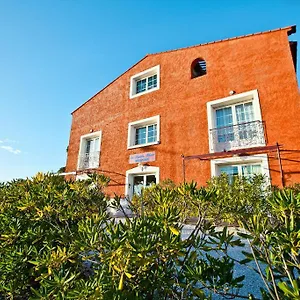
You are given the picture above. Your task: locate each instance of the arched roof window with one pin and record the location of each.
(198, 68)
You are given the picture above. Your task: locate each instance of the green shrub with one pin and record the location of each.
(274, 239)
(270, 216)
(39, 224)
(238, 197)
(233, 198)
(58, 242)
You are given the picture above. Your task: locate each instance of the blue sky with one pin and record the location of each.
(54, 55)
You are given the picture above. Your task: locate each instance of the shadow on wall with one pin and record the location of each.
(290, 163)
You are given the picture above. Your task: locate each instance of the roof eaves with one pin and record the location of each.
(290, 30)
(110, 83)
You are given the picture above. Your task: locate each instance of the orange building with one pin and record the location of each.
(228, 106)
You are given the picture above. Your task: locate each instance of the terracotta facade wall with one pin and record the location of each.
(261, 62)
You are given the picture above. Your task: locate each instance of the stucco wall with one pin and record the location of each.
(261, 62)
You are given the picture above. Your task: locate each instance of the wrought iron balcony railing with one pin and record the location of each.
(243, 135)
(89, 160)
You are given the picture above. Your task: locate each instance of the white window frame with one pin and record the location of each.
(139, 171)
(82, 144)
(132, 126)
(261, 159)
(212, 106)
(143, 75)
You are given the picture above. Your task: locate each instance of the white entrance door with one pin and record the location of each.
(142, 181)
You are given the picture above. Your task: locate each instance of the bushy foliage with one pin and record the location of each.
(274, 239)
(39, 219)
(233, 198)
(57, 242)
(238, 197)
(270, 217)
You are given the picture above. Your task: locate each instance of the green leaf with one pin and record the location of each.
(288, 291)
(245, 261)
(244, 235)
(121, 282)
(174, 230)
(128, 275)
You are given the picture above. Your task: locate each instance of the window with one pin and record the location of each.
(198, 68)
(227, 117)
(146, 134)
(246, 166)
(89, 152)
(235, 122)
(140, 177)
(247, 171)
(141, 85)
(144, 82)
(143, 132)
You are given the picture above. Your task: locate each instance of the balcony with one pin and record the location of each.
(244, 135)
(89, 160)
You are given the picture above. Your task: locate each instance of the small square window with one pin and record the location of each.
(147, 134)
(143, 133)
(144, 82)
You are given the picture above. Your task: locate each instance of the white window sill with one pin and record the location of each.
(143, 93)
(144, 145)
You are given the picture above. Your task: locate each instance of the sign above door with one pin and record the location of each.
(142, 157)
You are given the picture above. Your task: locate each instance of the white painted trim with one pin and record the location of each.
(243, 160)
(140, 170)
(238, 98)
(147, 73)
(133, 125)
(85, 137)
